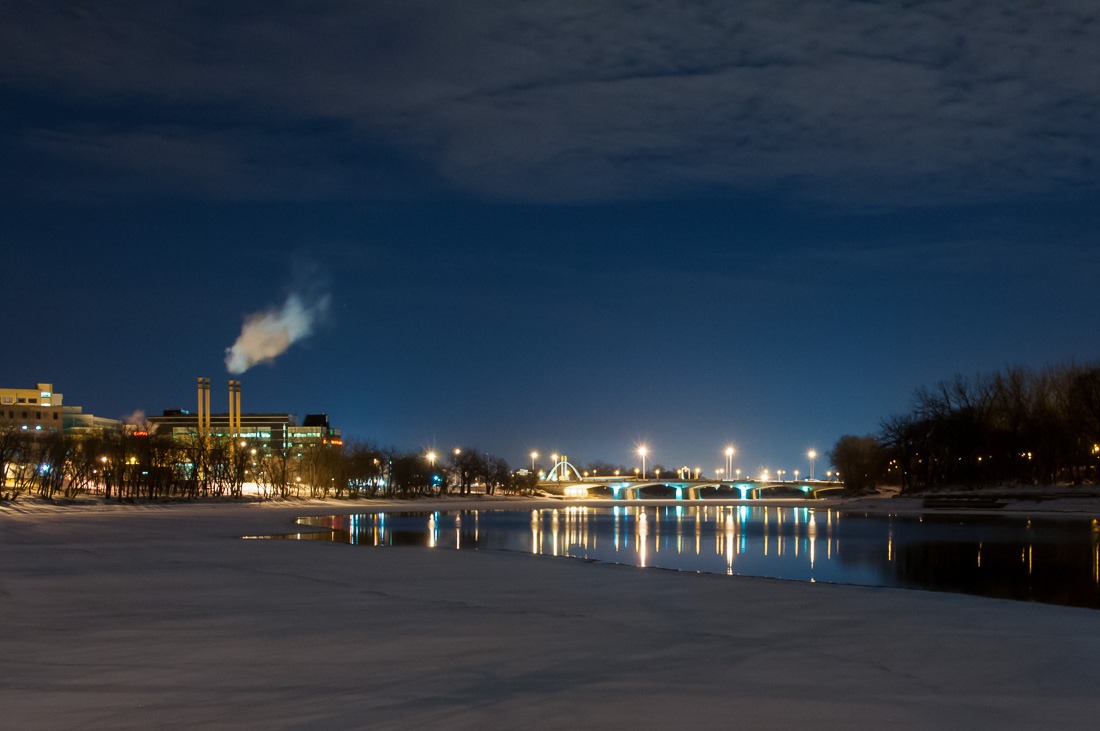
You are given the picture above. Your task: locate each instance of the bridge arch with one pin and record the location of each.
(563, 471)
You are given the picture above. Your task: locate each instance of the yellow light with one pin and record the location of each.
(729, 451)
(431, 456)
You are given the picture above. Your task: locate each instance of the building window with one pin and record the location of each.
(55, 416)
(38, 415)
(24, 415)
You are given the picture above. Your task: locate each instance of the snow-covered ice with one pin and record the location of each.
(161, 617)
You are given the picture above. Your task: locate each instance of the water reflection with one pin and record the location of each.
(1054, 561)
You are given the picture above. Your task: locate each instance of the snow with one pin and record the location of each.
(160, 616)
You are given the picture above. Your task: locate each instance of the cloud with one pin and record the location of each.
(137, 418)
(267, 334)
(575, 101)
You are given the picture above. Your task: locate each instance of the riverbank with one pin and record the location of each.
(1079, 501)
(137, 616)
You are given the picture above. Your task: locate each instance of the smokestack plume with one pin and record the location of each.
(266, 335)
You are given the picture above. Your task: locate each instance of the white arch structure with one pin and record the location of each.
(563, 471)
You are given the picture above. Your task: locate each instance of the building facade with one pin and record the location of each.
(264, 431)
(32, 409)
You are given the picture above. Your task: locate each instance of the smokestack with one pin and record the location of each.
(234, 410)
(204, 408)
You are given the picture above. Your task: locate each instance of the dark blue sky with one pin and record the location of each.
(554, 226)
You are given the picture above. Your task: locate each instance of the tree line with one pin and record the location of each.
(1017, 426)
(133, 464)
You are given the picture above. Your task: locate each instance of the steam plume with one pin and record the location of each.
(266, 335)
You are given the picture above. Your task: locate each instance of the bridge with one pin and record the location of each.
(565, 480)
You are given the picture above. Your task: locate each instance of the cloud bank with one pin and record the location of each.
(568, 101)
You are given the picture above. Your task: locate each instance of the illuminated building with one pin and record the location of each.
(266, 431)
(31, 409)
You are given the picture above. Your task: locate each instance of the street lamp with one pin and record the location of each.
(534, 456)
(812, 454)
(431, 457)
(730, 451)
(642, 452)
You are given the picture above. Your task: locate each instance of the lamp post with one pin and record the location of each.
(812, 454)
(642, 451)
(730, 451)
(534, 456)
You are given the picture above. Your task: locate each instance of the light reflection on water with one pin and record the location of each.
(1053, 561)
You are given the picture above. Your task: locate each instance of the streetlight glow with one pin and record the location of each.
(812, 454)
(642, 452)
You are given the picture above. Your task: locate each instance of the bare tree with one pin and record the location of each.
(860, 460)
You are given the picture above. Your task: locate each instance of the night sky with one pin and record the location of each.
(563, 226)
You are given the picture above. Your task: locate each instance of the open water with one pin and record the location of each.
(1055, 561)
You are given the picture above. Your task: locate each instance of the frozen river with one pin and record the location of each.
(1054, 561)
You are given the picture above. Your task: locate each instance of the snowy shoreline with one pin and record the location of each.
(145, 615)
(1083, 503)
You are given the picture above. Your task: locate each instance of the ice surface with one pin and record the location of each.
(161, 617)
